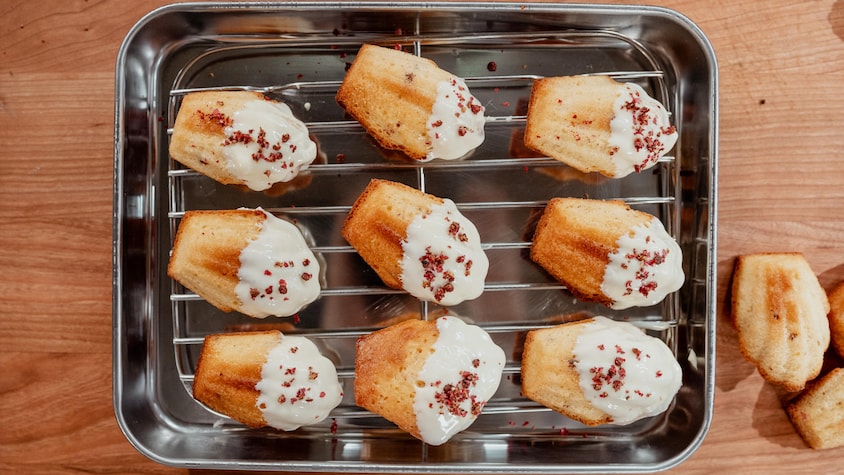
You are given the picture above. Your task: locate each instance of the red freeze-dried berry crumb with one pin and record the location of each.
(644, 139)
(452, 396)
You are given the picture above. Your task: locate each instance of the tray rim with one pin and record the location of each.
(118, 350)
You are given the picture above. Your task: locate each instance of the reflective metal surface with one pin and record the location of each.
(298, 53)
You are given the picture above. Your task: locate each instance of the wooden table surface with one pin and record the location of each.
(781, 167)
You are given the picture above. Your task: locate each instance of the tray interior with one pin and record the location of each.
(299, 54)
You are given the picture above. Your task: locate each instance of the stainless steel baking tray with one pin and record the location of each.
(298, 52)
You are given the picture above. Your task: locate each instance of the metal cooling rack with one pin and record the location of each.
(653, 80)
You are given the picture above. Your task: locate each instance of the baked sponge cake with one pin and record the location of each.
(817, 413)
(836, 318)
(431, 378)
(408, 103)
(596, 124)
(607, 252)
(780, 312)
(599, 371)
(266, 379)
(417, 242)
(240, 137)
(245, 260)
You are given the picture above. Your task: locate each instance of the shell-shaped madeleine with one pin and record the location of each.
(836, 318)
(780, 312)
(817, 413)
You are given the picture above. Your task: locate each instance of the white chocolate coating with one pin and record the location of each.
(299, 386)
(645, 268)
(640, 132)
(457, 380)
(443, 260)
(624, 372)
(278, 272)
(266, 144)
(456, 124)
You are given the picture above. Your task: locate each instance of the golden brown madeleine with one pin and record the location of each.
(548, 377)
(780, 312)
(569, 120)
(377, 225)
(596, 124)
(599, 371)
(206, 252)
(607, 252)
(199, 131)
(431, 378)
(242, 138)
(228, 369)
(836, 318)
(387, 365)
(408, 103)
(266, 379)
(818, 413)
(245, 260)
(417, 242)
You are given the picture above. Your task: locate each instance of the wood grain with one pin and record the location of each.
(780, 188)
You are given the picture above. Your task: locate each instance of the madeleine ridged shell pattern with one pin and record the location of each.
(780, 312)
